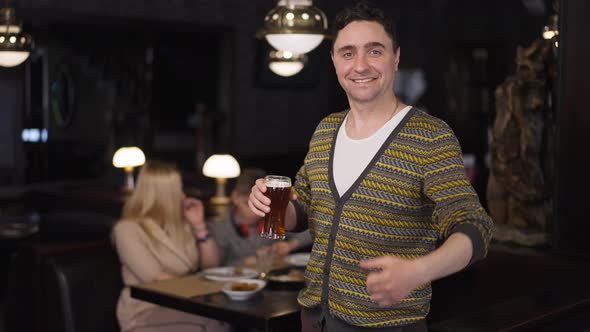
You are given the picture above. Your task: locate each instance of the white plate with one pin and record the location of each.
(243, 295)
(228, 273)
(300, 259)
(292, 275)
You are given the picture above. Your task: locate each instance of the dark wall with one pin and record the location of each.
(252, 110)
(571, 206)
(11, 99)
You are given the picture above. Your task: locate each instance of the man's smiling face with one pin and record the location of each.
(365, 61)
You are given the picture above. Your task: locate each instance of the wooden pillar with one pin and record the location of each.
(572, 193)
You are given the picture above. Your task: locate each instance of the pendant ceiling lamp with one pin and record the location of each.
(295, 26)
(286, 63)
(15, 45)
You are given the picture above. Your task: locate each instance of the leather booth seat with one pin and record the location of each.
(84, 286)
(75, 225)
(65, 287)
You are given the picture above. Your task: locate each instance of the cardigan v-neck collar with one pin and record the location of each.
(370, 165)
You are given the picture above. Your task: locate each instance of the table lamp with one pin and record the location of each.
(127, 158)
(221, 167)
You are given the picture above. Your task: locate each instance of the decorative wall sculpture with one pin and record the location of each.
(520, 184)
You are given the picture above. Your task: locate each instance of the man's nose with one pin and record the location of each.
(360, 63)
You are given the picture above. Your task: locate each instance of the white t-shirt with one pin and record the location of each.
(351, 156)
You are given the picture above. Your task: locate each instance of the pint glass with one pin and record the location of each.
(278, 189)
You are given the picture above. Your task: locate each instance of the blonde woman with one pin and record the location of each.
(162, 235)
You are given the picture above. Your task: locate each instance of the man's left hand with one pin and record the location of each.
(283, 248)
(392, 278)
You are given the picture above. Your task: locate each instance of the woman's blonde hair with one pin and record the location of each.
(158, 197)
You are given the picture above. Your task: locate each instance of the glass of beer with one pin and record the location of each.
(278, 189)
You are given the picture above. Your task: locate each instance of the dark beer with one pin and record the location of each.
(278, 189)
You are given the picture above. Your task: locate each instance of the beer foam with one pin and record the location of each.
(278, 184)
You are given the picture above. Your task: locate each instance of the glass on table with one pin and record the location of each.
(264, 260)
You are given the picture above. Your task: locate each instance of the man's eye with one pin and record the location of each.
(347, 55)
(375, 52)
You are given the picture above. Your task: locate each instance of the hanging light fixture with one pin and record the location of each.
(285, 63)
(295, 26)
(15, 45)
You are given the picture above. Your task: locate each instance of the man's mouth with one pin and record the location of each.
(364, 80)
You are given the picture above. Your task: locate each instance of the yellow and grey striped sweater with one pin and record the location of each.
(412, 195)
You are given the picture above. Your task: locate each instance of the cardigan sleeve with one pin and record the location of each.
(303, 201)
(304, 239)
(132, 248)
(457, 206)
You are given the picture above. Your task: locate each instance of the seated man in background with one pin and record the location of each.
(237, 231)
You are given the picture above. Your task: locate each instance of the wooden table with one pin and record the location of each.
(514, 292)
(505, 292)
(268, 310)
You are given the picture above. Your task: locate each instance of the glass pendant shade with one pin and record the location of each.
(12, 59)
(15, 45)
(295, 42)
(295, 26)
(286, 64)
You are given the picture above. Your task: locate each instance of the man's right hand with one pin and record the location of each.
(258, 203)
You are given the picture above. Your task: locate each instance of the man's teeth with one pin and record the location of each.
(364, 80)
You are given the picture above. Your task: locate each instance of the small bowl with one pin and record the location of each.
(243, 294)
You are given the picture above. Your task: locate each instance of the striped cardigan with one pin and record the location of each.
(413, 194)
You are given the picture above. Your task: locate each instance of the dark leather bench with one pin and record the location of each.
(83, 287)
(65, 287)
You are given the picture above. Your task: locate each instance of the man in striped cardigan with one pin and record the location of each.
(384, 193)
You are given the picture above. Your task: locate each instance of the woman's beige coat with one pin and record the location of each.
(142, 261)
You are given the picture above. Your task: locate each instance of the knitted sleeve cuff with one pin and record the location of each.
(479, 248)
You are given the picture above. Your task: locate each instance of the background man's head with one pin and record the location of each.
(246, 180)
(241, 192)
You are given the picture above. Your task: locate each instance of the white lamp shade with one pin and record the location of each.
(294, 42)
(12, 58)
(285, 68)
(221, 166)
(130, 156)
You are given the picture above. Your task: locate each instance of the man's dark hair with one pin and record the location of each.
(364, 11)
